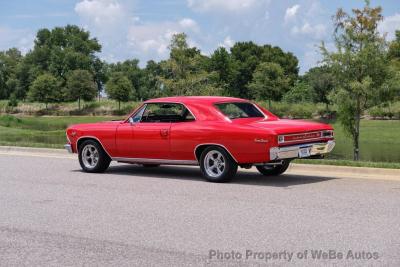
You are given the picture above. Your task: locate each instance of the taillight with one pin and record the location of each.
(327, 133)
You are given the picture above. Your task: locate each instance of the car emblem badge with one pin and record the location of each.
(260, 140)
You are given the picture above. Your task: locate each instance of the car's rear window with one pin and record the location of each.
(237, 110)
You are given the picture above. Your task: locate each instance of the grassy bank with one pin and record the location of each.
(40, 131)
(105, 107)
(379, 140)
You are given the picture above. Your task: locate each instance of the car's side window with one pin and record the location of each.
(138, 115)
(166, 112)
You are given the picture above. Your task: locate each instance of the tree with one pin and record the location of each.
(63, 49)
(184, 73)
(99, 70)
(222, 63)
(119, 87)
(394, 48)
(45, 89)
(322, 82)
(300, 92)
(268, 81)
(9, 62)
(80, 85)
(150, 85)
(248, 55)
(130, 69)
(359, 64)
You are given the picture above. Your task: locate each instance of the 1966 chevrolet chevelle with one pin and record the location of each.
(217, 133)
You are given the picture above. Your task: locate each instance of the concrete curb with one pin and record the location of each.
(33, 150)
(346, 169)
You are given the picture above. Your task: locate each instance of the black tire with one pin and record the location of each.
(151, 165)
(102, 162)
(227, 167)
(274, 170)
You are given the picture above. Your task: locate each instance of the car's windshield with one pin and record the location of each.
(236, 110)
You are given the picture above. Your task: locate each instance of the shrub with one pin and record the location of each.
(13, 101)
(376, 112)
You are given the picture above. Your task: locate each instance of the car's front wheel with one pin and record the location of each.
(217, 165)
(277, 169)
(92, 157)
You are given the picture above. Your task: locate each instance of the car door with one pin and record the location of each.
(125, 135)
(151, 135)
(184, 136)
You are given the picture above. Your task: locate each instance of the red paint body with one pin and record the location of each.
(178, 140)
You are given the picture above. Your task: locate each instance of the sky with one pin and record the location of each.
(142, 29)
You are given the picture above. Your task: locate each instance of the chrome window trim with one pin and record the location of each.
(179, 103)
(229, 102)
(265, 115)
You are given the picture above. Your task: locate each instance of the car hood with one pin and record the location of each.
(283, 126)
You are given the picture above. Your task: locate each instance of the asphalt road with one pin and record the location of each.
(52, 214)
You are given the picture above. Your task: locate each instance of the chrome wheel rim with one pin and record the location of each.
(90, 156)
(214, 163)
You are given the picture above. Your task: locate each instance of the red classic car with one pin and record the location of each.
(217, 133)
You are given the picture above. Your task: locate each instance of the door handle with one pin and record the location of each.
(164, 132)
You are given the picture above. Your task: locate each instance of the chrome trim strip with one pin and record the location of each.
(265, 115)
(213, 144)
(93, 137)
(290, 134)
(159, 161)
(301, 140)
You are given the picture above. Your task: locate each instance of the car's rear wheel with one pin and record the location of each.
(92, 157)
(270, 170)
(217, 165)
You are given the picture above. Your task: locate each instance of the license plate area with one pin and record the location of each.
(304, 152)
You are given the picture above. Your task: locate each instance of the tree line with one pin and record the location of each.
(361, 72)
(64, 66)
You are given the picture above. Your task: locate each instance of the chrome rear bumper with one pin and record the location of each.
(289, 152)
(68, 147)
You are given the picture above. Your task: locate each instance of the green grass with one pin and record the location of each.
(379, 141)
(39, 131)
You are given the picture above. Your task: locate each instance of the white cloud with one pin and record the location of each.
(227, 43)
(316, 31)
(291, 13)
(188, 23)
(223, 5)
(125, 35)
(389, 25)
(100, 12)
(154, 38)
(19, 38)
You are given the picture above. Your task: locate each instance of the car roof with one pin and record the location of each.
(196, 99)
